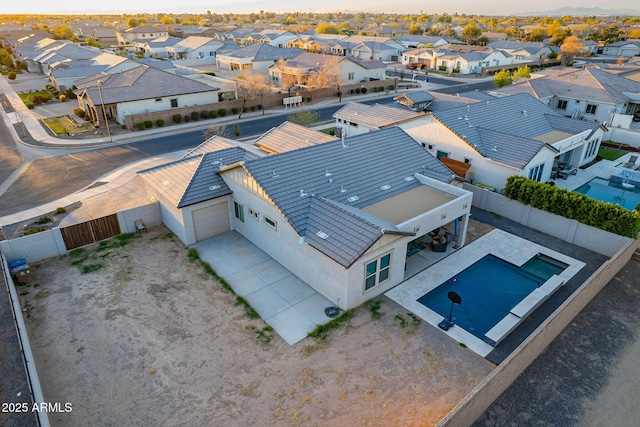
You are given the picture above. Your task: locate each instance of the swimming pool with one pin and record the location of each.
(489, 289)
(612, 192)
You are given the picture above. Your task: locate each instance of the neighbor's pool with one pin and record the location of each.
(613, 192)
(489, 289)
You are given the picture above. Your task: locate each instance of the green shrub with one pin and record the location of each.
(244, 109)
(380, 88)
(11, 75)
(70, 94)
(559, 201)
(33, 231)
(59, 210)
(253, 108)
(139, 126)
(222, 112)
(160, 123)
(259, 106)
(30, 105)
(177, 118)
(62, 98)
(204, 114)
(391, 87)
(442, 67)
(358, 90)
(234, 110)
(195, 116)
(187, 118)
(148, 123)
(213, 114)
(39, 99)
(364, 90)
(79, 112)
(43, 220)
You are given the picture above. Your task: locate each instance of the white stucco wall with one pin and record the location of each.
(187, 216)
(171, 216)
(149, 105)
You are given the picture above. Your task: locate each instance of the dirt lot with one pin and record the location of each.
(147, 337)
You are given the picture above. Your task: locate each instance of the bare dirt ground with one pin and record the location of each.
(147, 337)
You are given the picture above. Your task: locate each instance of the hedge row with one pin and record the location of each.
(569, 204)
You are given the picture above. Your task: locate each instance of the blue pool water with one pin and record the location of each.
(489, 289)
(612, 192)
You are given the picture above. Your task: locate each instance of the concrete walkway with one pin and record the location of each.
(286, 303)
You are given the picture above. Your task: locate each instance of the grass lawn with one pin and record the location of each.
(62, 125)
(611, 153)
(25, 96)
(329, 131)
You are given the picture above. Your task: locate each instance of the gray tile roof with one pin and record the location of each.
(138, 83)
(375, 116)
(195, 179)
(290, 136)
(516, 119)
(215, 143)
(264, 52)
(371, 167)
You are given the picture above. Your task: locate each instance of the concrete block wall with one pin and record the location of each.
(35, 247)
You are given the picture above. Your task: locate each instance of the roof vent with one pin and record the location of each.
(494, 148)
(275, 175)
(344, 145)
(409, 178)
(524, 113)
(385, 187)
(466, 117)
(327, 173)
(302, 193)
(353, 198)
(165, 182)
(342, 189)
(322, 235)
(214, 187)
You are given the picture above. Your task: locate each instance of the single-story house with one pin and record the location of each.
(128, 37)
(327, 213)
(156, 48)
(627, 48)
(139, 90)
(194, 47)
(514, 135)
(256, 57)
(355, 118)
(290, 136)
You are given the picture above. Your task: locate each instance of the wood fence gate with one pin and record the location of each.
(89, 232)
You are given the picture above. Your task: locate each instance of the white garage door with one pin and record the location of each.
(210, 221)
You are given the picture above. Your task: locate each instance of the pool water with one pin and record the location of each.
(612, 192)
(489, 289)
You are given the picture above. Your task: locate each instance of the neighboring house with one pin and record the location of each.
(627, 48)
(388, 31)
(194, 47)
(420, 55)
(515, 135)
(470, 62)
(415, 101)
(316, 43)
(54, 53)
(355, 118)
(589, 93)
(327, 213)
(128, 38)
(139, 90)
(412, 42)
(105, 36)
(343, 70)
(256, 57)
(290, 136)
(156, 48)
(345, 46)
(590, 46)
(64, 74)
(184, 31)
(276, 38)
(522, 51)
(372, 50)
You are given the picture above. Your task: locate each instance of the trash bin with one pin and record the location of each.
(20, 271)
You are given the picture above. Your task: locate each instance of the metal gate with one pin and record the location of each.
(89, 232)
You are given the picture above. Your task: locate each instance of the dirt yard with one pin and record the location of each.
(133, 333)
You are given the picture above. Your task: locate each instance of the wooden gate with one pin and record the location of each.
(89, 232)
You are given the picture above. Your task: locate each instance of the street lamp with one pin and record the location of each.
(104, 112)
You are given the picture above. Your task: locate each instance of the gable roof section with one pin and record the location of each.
(215, 143)
(352, 173)
(375, 116)
(138, 83)
(264, 52)
(290, 136)
(194, 179)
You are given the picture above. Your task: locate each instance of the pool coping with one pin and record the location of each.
(509, 247)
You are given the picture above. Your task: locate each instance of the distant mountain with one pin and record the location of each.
(583, 11)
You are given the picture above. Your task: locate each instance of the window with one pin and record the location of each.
(254, 214)
(174, 103)
(158, 99)
(591, 148)
(376, 272)
(535, 173)
(591, 109)
(562, 104)
(351, 76)
(270, 223)
(239, 211)
(430, 146)
(467, 160)
(441, 154)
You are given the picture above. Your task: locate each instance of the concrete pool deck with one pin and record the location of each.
(504, 245)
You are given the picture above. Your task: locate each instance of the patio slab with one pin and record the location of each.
(286, 303)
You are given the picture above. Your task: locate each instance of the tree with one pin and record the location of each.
(571, 47)
(249, 86)
(537, 35)
(522, 72)
(304, 117)
(502, 78)
(471, 33)
(219, 130)
(328, 75)
(326, 28)
(63, 32)
(415, 29)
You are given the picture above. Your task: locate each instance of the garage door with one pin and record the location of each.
(209, 221)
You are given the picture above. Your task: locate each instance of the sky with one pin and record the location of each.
(494, 7)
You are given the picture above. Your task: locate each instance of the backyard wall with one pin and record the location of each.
(624, 136)
(569, 230)
(483, 395)
(49, 243)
